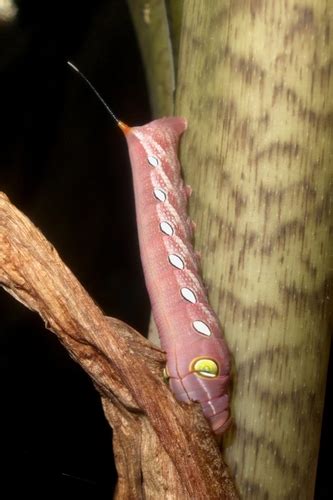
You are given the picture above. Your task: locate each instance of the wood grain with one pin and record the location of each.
(162, 449)
(255, 83)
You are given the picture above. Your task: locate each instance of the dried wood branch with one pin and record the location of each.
(162, 449)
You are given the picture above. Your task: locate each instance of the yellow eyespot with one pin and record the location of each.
(205, 367)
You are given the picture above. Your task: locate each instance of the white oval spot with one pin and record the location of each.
(166, 228)
(153, 161)
(176, 261)
(201, 327)
(188, 295)
(159, 194)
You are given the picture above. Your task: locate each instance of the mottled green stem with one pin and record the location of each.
(255, 84)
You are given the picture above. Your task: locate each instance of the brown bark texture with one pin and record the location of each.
(255, 83)
(162, 449)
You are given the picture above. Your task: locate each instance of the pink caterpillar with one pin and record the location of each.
(198, 360)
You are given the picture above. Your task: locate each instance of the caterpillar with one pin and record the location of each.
(198, 360)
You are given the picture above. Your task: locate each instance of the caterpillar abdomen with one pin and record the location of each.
(198, 361)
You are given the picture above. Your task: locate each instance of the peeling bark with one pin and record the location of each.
(162, 449)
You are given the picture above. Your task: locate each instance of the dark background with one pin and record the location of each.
(65, 165)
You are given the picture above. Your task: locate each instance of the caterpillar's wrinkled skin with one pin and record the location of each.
(198, 361)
